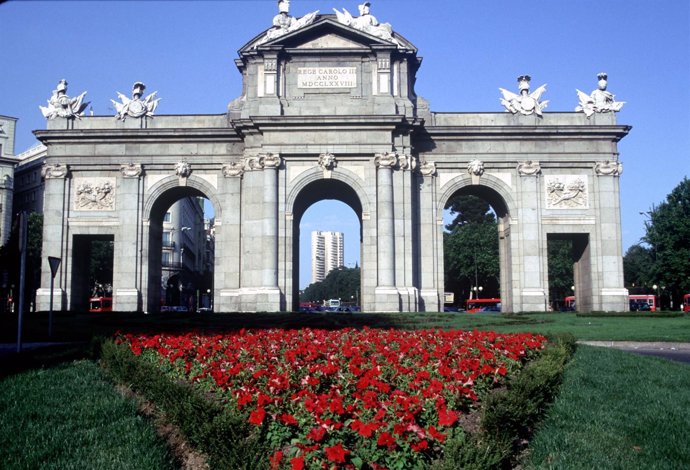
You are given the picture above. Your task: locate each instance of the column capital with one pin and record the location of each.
(233, 169)
(54, 171)
(427, 168)
(608, 168)
(386, 160)
(131, 170)
(529, 168)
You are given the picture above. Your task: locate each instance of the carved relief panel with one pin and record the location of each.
(94, 194)
(566, 192)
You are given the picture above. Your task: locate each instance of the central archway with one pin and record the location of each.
(312, 193)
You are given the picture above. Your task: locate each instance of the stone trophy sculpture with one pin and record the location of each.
(61, 105)
(525, 103)
(135, 107)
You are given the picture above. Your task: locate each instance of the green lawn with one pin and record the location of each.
(69, 417)
(615, 410)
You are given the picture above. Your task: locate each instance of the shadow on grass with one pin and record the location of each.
(78, 331)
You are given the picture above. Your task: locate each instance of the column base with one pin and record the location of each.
(259, 299)
(533, 300)
(127, 300)
(387, 299)
(43, 299)
(429, 301)
(614, 300)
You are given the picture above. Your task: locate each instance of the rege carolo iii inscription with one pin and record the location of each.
(327, 77)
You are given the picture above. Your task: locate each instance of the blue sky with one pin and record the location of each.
(186, 50)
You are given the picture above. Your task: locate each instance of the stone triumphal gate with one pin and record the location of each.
(328, 111)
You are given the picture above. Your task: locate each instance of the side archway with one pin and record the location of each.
(497, 193)
(160, 198)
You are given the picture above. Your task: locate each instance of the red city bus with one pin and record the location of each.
(100, 304)
(642, 303)
(686, 303)
(483, 305)
(569, 303)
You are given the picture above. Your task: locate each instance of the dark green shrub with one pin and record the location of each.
(509, 415)
(226, 438)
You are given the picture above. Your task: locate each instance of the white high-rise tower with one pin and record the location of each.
(327, 253)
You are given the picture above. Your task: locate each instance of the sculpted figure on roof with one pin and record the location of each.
(366, 22)
(525, 103)
(283, 23)
(61, 105)
(600, 100)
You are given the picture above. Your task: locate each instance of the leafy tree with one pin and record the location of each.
(341, 283)
(10, 257)
(561, 276)
(470, 248)
(469, 209)
(638, 269)
(667, 233)
(101, 263)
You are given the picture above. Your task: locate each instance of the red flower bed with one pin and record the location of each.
(347, 398)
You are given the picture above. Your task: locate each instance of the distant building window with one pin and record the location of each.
(167, 217)
(166, 238)
(167, 258)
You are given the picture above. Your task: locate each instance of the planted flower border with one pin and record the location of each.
(379, 399)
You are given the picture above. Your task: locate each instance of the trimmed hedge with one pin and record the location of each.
(509, 415)
(226, 439)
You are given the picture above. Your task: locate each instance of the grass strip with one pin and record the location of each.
(69, 417)
(616, 410)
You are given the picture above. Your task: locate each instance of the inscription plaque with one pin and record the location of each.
(326, 77)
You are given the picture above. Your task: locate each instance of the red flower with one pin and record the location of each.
(447, 417)
(317, 434)
(436, 434)
(420, 446)
(275, 460)
(336, 453)
(257, 416)
(297, 463)
(386, 440)
(288, 419)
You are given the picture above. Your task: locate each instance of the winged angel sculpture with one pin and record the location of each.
(367, 23)
(135, 107)
(525, 103)
(61, 105)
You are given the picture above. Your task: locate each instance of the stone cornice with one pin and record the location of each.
(310, 123)
(562, 132)
(139, 136)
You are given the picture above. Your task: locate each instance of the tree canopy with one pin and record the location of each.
(340, 283)
(667, 234)
(470, 248)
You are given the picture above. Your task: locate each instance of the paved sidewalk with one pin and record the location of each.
(631, 345)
